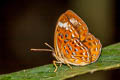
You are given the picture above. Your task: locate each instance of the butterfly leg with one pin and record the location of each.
(69, 65)
(60, 64)
(54, 63)
(56, 67)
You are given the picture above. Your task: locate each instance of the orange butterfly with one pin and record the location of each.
(73, 43)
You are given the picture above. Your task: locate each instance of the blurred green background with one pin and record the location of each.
(26, 24)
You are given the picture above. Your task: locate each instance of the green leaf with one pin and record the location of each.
(109, 59)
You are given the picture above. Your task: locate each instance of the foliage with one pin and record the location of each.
(109, 59)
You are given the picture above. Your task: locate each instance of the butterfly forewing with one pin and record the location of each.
(63, 33)
(79, 25)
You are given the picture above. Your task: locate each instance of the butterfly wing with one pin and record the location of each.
(76, 53)
(63, 33)
(66, 34)
(72, 41)
(94, 46)
(79, 25)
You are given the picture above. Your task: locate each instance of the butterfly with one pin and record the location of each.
(73, 43)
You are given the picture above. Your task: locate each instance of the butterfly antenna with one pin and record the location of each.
(51, 48)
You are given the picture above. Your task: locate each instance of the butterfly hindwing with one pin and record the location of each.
(94, 46)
